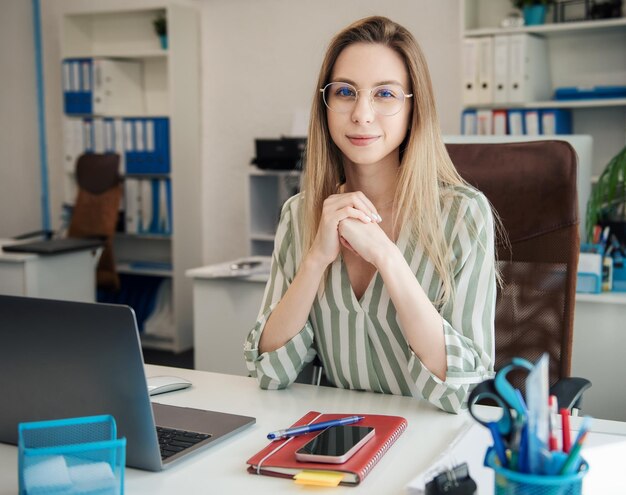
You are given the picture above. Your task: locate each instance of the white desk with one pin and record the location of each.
(221, 469)
(70, 276)
(598, 352)
(224, 311)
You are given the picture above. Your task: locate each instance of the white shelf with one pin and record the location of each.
(603, 297)
(557, 29)
(594, 103)
(277, 173)
(126, 268)
(266, 236)
(125, 54)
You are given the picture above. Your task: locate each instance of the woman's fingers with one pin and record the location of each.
(356, 200)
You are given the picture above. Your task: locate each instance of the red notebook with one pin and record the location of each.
(279, 458)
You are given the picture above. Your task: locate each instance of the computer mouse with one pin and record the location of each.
(162, 384)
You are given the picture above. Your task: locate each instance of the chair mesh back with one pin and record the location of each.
(532, 187)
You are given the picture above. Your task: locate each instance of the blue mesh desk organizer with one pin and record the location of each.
(71, 456)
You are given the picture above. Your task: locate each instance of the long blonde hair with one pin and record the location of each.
(425, 167)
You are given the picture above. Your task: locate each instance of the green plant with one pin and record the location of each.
(520, 4)
(160, 25)
(607, 201)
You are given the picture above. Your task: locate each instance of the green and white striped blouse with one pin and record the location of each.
(360, 342)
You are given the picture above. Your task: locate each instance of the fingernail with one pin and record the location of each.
(379, 218)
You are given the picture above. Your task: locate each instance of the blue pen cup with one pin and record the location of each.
(508, 482)
(71, 456)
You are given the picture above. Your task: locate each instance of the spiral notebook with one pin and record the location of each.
(279, 458)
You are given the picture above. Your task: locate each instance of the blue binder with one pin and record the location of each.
(556, 121)
(469, 123)
(78, 86)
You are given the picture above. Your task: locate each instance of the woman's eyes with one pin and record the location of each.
(384, 93)
(345, 91)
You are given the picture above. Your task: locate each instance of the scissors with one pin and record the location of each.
(514, 411)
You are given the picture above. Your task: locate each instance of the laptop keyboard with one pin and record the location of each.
(172, 442)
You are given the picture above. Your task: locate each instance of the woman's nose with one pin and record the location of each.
(362, 112)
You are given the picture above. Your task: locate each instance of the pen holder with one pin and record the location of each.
(71, 456)
(508, 482)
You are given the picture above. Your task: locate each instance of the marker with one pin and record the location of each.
(567, 440)
(301, 430)
(571, 463)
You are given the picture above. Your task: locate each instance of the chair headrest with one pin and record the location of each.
(97, 173)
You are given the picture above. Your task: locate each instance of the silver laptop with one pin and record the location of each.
(62, 359)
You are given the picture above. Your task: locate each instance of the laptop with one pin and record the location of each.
(54, 246)
(61, 359)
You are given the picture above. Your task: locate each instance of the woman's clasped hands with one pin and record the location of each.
(349, 219)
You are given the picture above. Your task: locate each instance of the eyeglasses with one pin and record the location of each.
(385, 100)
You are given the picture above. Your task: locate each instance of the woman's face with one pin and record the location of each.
(364, 136)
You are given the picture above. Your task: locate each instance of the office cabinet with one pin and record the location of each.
(170, 92)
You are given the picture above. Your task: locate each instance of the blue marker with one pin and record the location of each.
(301, 430)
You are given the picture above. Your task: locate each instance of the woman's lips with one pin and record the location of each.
(362, 140)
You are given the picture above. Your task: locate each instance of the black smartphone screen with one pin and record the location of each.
(336, 441)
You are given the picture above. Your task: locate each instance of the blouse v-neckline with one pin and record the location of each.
(363, 301)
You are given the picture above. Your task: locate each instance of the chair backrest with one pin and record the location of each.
(532, 187)
(96, 209)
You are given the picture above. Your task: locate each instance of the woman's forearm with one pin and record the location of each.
(292, 312)
(420, 321)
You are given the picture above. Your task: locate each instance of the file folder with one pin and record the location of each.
(117, 87)
(470, 71)
(529, 69)
(484, 119)
(485, 70)
(515, 121)
(131, 205)
(499, 122)
(77, 86)
(556, 121)
(501, 69)
(532, 122)
(468, 122)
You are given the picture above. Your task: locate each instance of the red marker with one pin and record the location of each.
(567, 440)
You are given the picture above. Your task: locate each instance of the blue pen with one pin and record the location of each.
(301, 430)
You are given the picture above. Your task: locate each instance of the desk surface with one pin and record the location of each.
(222, 468)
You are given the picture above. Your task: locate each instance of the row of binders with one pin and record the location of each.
(505, 69)
(142, 143)
(102, 86)
(148, 206)
(516, 122)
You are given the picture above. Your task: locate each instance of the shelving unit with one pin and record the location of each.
(586, 53)
(268, 190)
(171, 88)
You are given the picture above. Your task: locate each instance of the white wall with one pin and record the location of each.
(255, 51)
(20, 186)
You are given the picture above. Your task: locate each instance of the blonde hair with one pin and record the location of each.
(426, 170)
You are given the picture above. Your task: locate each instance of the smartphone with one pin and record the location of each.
(335, 445)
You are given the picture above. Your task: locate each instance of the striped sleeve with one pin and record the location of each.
(468, 318)
(279, 368)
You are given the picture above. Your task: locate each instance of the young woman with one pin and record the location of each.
(384, 264)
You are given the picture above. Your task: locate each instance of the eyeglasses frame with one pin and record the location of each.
(356, 97)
